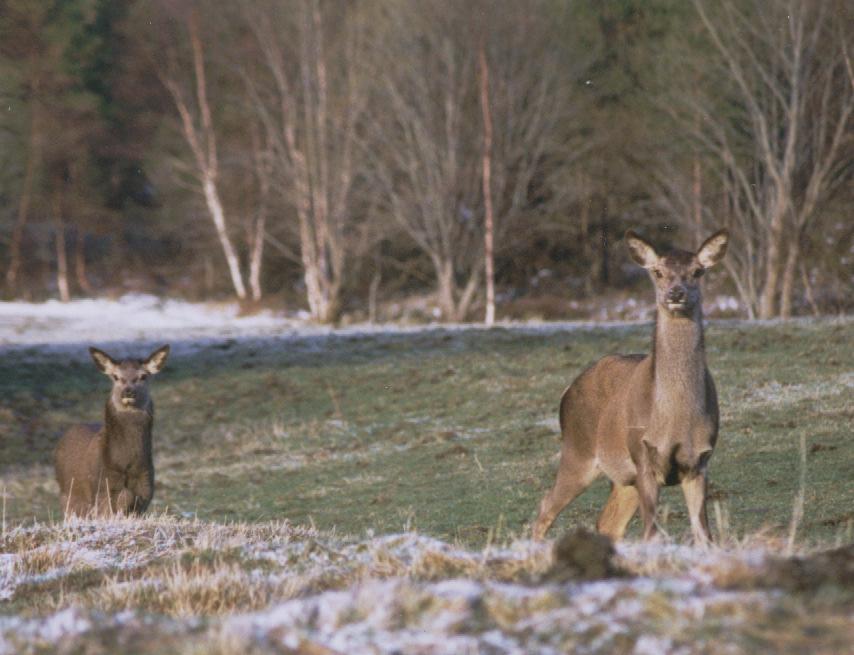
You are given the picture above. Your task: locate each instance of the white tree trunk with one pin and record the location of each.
(489, 229)
(256, 257)
(61, 254)
(218, 217)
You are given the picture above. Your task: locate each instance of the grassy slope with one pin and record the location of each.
(454, 433)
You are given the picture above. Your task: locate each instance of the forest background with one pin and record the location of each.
(353, 160)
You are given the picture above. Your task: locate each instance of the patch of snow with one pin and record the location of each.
(68, 621)
(458, 588)
(722, 304)
(651, 645)
(131, 317)
(445, 617)
(8, 580)
(50, 630)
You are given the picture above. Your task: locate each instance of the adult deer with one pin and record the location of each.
(645, 420)
(109, 469)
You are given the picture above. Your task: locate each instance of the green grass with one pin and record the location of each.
(450, 432)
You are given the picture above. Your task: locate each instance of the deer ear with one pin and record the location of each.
(103, 361)
(156, 360)
(713, 249)
(640, 250)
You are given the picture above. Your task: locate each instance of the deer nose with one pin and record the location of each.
(676, 294)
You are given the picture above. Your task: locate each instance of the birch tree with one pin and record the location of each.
(310, 99)
(198, 131)
(256, 227)
(489, 220)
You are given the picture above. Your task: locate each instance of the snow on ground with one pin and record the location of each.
(134, 322)
(54, 326)
(400, 593)
(465, 616)
(137, 317)
(130, 318)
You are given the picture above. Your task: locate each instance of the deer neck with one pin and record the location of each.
(679, 363)
(127, 435)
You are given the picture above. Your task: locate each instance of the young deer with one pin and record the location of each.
(645, 421)
(109, 469)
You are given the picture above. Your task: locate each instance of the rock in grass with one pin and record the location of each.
(583, 555)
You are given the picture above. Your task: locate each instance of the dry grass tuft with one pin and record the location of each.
(41, 560)
(436, 565)
(210, 589)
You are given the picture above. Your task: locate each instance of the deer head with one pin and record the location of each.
(676, 274)
(130, 377)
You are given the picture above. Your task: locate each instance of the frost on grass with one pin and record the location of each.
(773, 393)
(168, 585)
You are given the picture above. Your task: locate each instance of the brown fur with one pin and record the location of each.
(645, 421)
(109, 469)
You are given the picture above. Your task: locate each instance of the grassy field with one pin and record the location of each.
(450, 432)
(282, 463)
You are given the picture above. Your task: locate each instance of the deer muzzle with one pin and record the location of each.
(677, 299)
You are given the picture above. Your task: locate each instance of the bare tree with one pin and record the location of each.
(425, 153)
(198, 130)
(310, 100)
(428, 159)
(775, 118)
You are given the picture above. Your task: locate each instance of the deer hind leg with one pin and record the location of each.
(694, 490)
(618, 511)
(104, 505)
(73, 501)
(574, 475)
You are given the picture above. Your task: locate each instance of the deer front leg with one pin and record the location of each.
(109, 494)
(694, 490)
(143, 490)
(123, 502)
(648, 488)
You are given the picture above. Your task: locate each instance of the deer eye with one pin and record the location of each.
(698, 272)
(658, 274)
(115, 378)
(143, 376)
